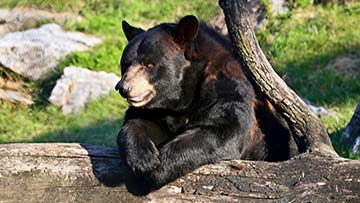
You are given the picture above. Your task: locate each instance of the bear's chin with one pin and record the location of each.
(142, 100)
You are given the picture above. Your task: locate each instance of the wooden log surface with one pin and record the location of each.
(56, 172)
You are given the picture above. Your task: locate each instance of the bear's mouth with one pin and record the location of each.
(142, 100)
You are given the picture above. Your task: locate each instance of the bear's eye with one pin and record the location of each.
(149, 65)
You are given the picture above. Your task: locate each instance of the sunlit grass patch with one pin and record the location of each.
(100, 122)
(302, 45)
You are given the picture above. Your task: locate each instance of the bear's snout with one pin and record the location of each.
(123, 88)
(135, 87)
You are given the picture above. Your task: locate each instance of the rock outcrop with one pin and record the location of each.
(77, 86)
(351, 135)
(16, 97)
(19, 19)
(35, 52)
(257, 14)
(318, 110)
(14, 92)
(279, 7)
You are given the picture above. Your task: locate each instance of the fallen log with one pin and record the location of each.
(57, 172)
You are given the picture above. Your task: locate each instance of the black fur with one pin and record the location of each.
(205, 109)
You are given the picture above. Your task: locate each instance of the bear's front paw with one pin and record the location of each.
(143, 158)
(156, 179)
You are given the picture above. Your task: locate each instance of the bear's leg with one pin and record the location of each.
(137, 142)
(187, 152)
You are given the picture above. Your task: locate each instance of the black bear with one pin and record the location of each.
(191, 104)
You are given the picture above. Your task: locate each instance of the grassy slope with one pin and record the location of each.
(100, 122)
(299, 47)
(303, 44)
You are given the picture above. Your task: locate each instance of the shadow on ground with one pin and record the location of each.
(107, 166)
(102, 133)
(314, 79)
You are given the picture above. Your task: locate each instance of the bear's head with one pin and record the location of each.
(156, 65)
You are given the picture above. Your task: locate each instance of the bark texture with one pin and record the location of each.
(83, 173)
(307, 129)
(351, 135)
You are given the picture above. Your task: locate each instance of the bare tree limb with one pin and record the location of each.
(308, 131)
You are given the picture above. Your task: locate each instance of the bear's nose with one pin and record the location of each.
(123, 88)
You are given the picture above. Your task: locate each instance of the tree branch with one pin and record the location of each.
(307, 129)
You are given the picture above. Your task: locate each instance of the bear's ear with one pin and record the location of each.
(130, 31)
(187, 29)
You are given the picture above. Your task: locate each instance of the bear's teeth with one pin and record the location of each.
(136, 99)
(139, 98)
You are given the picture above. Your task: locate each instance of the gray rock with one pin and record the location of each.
(77, 86)
(257, 16)
(14, 92)
(35, 52)
(20, 19)
(15, 96)
(219, 24)
(279, 7)
(318, 110)
(351, 134)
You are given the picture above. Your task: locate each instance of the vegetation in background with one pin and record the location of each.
(100, 122)
(300, 45)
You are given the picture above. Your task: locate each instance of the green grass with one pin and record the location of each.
(98, 124)
(101, 121)
(300, 45)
